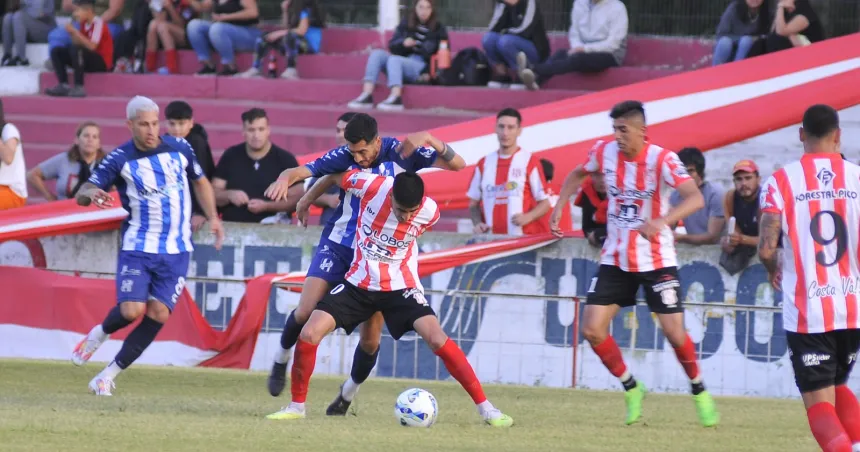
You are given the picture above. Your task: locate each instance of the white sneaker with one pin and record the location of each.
(250, 73)
(290, 73)
(101, 386)
(85, 349)
(293, 411)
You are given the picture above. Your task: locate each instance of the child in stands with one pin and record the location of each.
(91, 50)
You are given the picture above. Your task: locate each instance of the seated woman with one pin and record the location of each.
(302, 34)
(167, 27)
(795, 24)
(91, 51)
(72, 168)
(741, 26)
(233, 28)
(31, 23)
(517, 26)
(416, 40)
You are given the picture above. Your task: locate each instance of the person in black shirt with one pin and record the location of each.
(331, 199)
(247, 169)
(180, 124)
(592, 199)
(741, 203)
(795, 24)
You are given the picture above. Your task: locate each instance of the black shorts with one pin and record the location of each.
(613, 285)
(350, 306)
(822, 359)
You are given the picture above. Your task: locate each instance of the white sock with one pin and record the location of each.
(625, 376)
(111, 371)
(295, 406)
(98, 334)
(282, 356)
(485, 407)
(350, 388)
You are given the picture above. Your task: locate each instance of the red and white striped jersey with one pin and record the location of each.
(638, 190)
(386, 250)
(507, 186)
(817, 199)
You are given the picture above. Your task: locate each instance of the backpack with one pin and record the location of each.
(469, 68)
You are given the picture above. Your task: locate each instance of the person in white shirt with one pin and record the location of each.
(598, 41)
(13, 173)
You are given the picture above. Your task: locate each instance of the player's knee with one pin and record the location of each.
(303, 313)
(310, 335)
(436, 340)
(594, 334)
(157, 311)
(369, 343)
(132, 310)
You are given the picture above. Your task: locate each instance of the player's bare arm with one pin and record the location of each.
(691, 201)
(310, 197)
(206, 197)
(569, 187)
(294, 194)
(280, 189)
(769, 230)
(89, 193)
(447, 158)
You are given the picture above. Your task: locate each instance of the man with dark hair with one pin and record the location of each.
(383, 278)
(813, 203)
(508, 189)
(367, 151)
(705, 226)
(639, 250)
(566, 223)
(180, 124)
(331, 199)
(247, 169)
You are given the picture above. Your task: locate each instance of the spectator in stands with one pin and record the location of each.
(72, 168)
(247, 169)
(795, 24)
(130, 44)
(31, 23)
(593, 202)
(181, 124)
(233, 29)
(13, 173)
(598, 41)
(566, 222)
(302, 34)
(109, 11)
(742, 204)
(91, 51)
(705, 226)
(331, 199)
(741, 26)
(170, 17)
(508, 190)
(416, 39)
(516, 26)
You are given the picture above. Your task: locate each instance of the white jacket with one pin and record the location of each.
(599, 26)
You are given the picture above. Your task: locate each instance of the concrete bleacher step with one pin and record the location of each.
(320, 92)
(214, 111)
(298, 140)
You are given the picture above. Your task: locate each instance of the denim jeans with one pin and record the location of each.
(225, 38)
(503, 49)
(726, 45)
(397, 68)
(59, 37)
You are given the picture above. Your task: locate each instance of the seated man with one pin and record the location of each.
(517, 26)
(384, 278)
(598, 41)
(31, 23)
(741, 203)
(704, 226)
(91, 50)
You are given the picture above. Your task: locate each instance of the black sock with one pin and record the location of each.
(291, 332)
(137, 341)
(114, 321)
(362, 364)
(698, 388)
(629, 384)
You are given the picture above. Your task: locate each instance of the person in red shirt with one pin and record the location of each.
(91, 50)
(566, 222)
(593, 202)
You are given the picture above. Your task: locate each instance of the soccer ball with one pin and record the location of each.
(416, 408)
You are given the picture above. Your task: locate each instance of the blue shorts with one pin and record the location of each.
(144, 276)
(331, 261)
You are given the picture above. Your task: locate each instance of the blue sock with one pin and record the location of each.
(137, 341)
(114, 321)
(291, 332)
(362, 364)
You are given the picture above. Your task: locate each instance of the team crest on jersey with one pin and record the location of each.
(426, 153)
(825, 176)
(172, 171)
(517, 173)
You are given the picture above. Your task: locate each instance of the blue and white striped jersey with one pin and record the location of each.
(341, 226)
(153, 188)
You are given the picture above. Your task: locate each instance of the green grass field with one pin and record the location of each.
(45, 406)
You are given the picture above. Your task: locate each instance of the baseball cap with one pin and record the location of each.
(747, 166)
